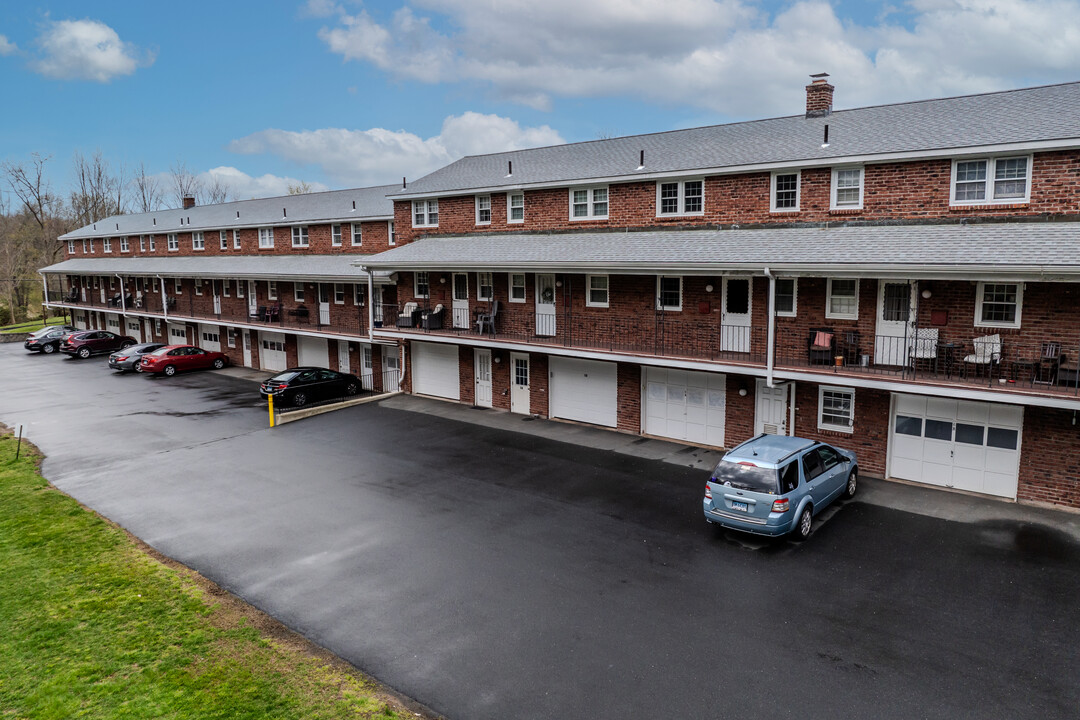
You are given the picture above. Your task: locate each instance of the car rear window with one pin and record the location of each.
(283, 377)
(745, 476)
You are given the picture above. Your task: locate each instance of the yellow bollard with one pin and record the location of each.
(270, 400)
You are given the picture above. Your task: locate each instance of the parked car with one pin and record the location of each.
(775, 485)
(171, 359)
(85, 343)
(129, 358)
(302, 385)
(47, 340)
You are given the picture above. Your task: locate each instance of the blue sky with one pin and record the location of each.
(347, 93)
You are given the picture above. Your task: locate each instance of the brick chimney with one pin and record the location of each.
(819, 96)
(189, 200)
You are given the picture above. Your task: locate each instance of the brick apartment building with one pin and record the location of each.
(901, 280)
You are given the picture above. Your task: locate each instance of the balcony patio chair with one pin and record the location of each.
(409, 315)
(138, 301)
(1048, 364)
(73, 296)
(259, 314)
(432, 319)
(821, 346)
(986, 355)
(924, 348)
(487, 320)
(852, 347)
(171, 303)
(114, 301)
(272, 312)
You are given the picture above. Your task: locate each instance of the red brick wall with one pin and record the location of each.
(1050, 457)
(628, 377)
(538, 384)
(870, 436)
(739, 419)
(466, 375)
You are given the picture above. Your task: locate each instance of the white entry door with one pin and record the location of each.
(247, 348)
(771, 414)
(545, 305)
(735, 318)
(685, 405)
(482, 372)
(253, 302)
(461, 300)
(324, 303)
(148, 330)
(216, 285)
(520, 397)
(343, 356)
(391, 363)
(367, 371)
(895, 322)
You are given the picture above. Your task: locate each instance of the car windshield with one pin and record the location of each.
(745, 476)
(284, 377)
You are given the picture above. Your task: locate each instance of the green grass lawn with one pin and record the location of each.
(31, 325)
(92, 625)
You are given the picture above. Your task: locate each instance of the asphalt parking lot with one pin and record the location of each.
(496, 574)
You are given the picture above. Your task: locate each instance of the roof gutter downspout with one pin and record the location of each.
(164, 304)
(770, 349)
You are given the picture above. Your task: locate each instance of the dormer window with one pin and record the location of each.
(680, 197)
(991, 180)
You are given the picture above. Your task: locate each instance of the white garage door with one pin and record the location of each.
(177, 334)
(80, 320)
(435, 370)
(312, 351)
(584, 390)
(134, 329)
(272, 351)
(685, 405)
(210, 337)
(956, 443)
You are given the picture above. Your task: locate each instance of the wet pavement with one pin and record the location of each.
(490, 573)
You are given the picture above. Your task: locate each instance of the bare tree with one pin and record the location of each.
(34, 191)
(303, 188)
(147, 190)
(216, 192)
(185, 184)
(98, 193)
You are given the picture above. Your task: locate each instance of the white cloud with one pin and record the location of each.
(725, 55)
(86, 50)
(378, 156)
(6, 46)
(243, 186)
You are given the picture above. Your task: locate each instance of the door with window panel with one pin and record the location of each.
(895, 329)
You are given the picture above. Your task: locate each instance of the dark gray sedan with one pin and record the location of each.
(128, 358)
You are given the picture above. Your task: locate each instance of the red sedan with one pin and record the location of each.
(171, 359)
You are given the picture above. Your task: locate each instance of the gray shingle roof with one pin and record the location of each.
(334, 205)
(1048, 113)
(329, 267)
(955, 250)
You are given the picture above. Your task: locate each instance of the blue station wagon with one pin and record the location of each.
(775, 485)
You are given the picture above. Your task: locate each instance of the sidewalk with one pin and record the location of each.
(912, 498)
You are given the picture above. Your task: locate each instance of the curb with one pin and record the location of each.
(283, 418)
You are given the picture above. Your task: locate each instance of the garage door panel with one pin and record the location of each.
(584, 390)
(941, 408)
(911, 405)
(312, 351)
(972, 412)
(685, 405)
(272, 351)
(1010, 416)
(435, 370)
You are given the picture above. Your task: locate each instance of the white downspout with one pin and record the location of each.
(164, 303)
(770, 348)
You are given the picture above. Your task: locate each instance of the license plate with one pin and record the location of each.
(736, 505)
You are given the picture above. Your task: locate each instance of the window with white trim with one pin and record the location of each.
(335, 235)
(142, 243)
(339, 293)
(236, 239)
(786, 297)
(669, 292)
(836, 408)
(357, 235)
(298, 292)
(230, 336)
(589, 203)
(485, 286)
(680, 197)
(598, 291)
(266, 238)
(106, 245)
(517, 287)
(178, 286)
(842, 299)
(483, 209)
(391, 233)
(84, 247)
(239, 288)
(847, 189)
(112, 283)
(124, 245)
(271, 289)
(300, 236)
(226, 288)
(998, 304)
(198, 286)
(223, 238)
(91, 246)
(358, 295)
(173, 242)
(991, 180)
(784, 192)
(152, 242)
(71, 247)
(515, 207)
(421, 288)
(197, 241)
(425, 213)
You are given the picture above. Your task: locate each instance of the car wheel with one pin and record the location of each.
(138, 367)
(852, 484)
(48, 349)
(170, 370)
(299, 399)
(351, 389)
(805, 524)
(84, 352)
(218, 364)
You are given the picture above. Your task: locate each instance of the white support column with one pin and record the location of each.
(371, 304)
(770, 350)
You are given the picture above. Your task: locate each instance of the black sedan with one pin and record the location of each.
(302, 385)
(128, 358)
(47, 340)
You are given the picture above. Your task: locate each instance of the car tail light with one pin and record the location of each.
(780, 506)
(708, 492)
(122, 359)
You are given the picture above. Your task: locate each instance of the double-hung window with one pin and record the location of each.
(483, 209)
(83, 247)
(142, 243)
(421, 289)
(173, 242)
(271, 289)
(598, 291)
(515, 207)
(298, 292)
(517, 287)
(485, 286)
(198, 286)
(124, 246)
(589, 203)
(836, 408)
(847, 189)
(842, 301)
(391, 233)
(71, 247)
(680, 197)
(236, 239)
(786, 297)
(335, 235)
(223, 239)
(425, 213)
(339, 293)
(239, 288)
(106, 245)
(266, 238)
(998, 304)
(197, 241)
(92, 246)
(991, 180)
(178, 286)
(300, 236)
(230, 336)
(784, 192)
(357, 235)
(226, 288)
(669, 292)
(152, 243)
